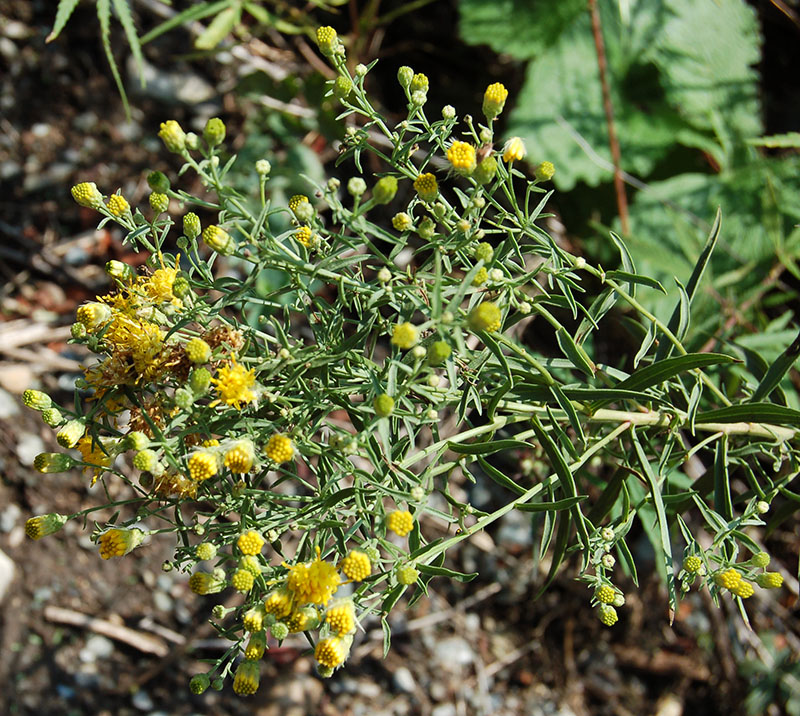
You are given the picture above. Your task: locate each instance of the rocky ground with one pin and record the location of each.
(82, 636)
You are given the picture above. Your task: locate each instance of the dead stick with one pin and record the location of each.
(613, 142)
(143, 642)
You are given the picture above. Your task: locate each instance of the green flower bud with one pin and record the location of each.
(438, 352)
(52, 417)
(404, 76)
(219, 240)
(486, 170)
(263, 167)
(146, 460)
(159, 202)
(36, 399)
(43, 525)
(356, 186)
(761, 559)
(184, 398)
(181, 287)
(199, 684)
(191, 225)
(199, 381)
(485, 316)
(342, 87)
(419, 83)
(484, 252)
(192, 141)
(69, 435)
(120, 271)
(448, 112)
(218, 684)
(361, 70)
(158, 181)
(419, 98)
(401, 221)
(48, 462)
(136, 440)
(173, 136)
(384, 190)
(407, 574)
(545, 171)
(279, 630)
(426, 229)
(305, 212)
(77, 331)
(87, 194)
(607, 614)
(214, 132)
(384, 405)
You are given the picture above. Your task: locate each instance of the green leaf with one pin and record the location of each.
(219, 28)
(722, 481)
(657, 373)
(575, 353)
(564, 504)
(636, 279)
(750, 413)
(387, 636)
(193, 13)
(63, 13)
(104, 17)
(776, 371)
(516, 27)
(500, 478)
(488, 447)
(435, 571)
(123, 11)
(790, 140)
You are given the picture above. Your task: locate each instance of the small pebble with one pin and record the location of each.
(28, 447)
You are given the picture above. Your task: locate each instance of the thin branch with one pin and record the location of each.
(613, 142)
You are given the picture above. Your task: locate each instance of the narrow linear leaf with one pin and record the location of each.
(722, 484)
(63, 14)
(219, 28)
(435, 571)
(575, 353)
(500, 478)
(627, 261)
(564, 504)
(195, 12)
(662, 370)
(694, 281)
(637, 278)
(559, 550)
(752, 412)
(104, 17)
(488, 447)
(123, 11)
(776, 371)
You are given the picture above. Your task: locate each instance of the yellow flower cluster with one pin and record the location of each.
(250, 542)
(202, 465)
(405, 335)
(303, 236)
(279, 449)
(119, 542)
(331, 652)
(234, 384)
(401, 522)
(241, 457)
(462, 157)
(313, 582)
(356, 566)
(426, 187)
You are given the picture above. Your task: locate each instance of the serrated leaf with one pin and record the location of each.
(63, 14)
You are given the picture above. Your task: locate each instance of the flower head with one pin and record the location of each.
(303, 236)
(402, 221)
(208, 582)
(218, 240)
(87, 194)
(202, 465)
(545, 171)
(743, 589)
(494, 100)
(607, 614)
(313, 582)
(205, 551)
(356, 566)
(728, 579)
(279, 603)
(401, 522)
(341, 617)
(426, 186)
(303, 619)
(256, 646)
(42, 525)
(242, 580)
(331, 652)
(462, 157)
(173, 136)
(47, 462)
(280, 448)
(514, 150)
(405, 335)
(36, 399)
(692, 564)
(760, 559)
(250, 542)
(247, 677)
(118, 205)
(253, 619)
(241, 457)
(327, 40)
(234, 383)
(407, 574)
(605, 594)
(770, 580)
(383, 405)
(118, 542)
(485, 316)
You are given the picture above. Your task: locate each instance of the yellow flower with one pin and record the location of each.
(545, 171)
(219, 240)
(280, 449)
(208, 583)
(407, 574)
(296, 200)
(770, 580)
(303, 619)
(197, 350)
(242, 580)
(607, 614)
(119, 542)
(692, 564)
(36, 399)
(340, 617)
(303, 236)
(728, 579)
(426, 187)
(401, 522)
(401, 221)
(278, 603)
(605, 594)
(256, 646)
(313, 582)
(405, 335)
(158, 287)
(118, 205)
(485, 316)
(42, 525)
(743, 589)
(205, 551)
(93, 453)
(202, 465)
(480, 277)
(47, 462)
(514, 150)
(494, 100)
(253, 619)
(93, 315)
(327, 40)
(173, 136)
(250, 542)
(356, 566)
(246, 679)
(331, 652)
(87, 194)
(234, 383)
(462, 157)
(240, 457)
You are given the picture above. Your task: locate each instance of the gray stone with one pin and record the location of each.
(9, 517)
(163, 602)
(28, 447)
(141, 700)
(403, 681)
(451, 652)
(7, 569)
(444, 710)
(97, 648)
(8, 405)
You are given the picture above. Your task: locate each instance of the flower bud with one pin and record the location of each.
(419, 83)
(48, 462)
(404, 76)
(607, 614)
(486, 170)
(207, 583)
(448, 112)
(36, 399)
(120, 271)
(117, 542)
(256, 646)
(52, 417)
(42, 525)
(218, 240)
(383, 405)
(401, 221)
(327, 40)
(514, 150)
(545, 171)
(93, 315)
(199, 684)
(356, 186)
(246, 679)
(361, 70)
(426, 229)
(407, 574)
(760, 559)
(173, 136)
(384, 190)
(485, 316)
(494, 100)
(263, 167)
(158, 181)
(214, 132)
(191, 225)
(118, 205)
(342, 87)
(87, 194)
(69, 435)
(427, 187)
(438, 352)
(159, 202)
(193, 142)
